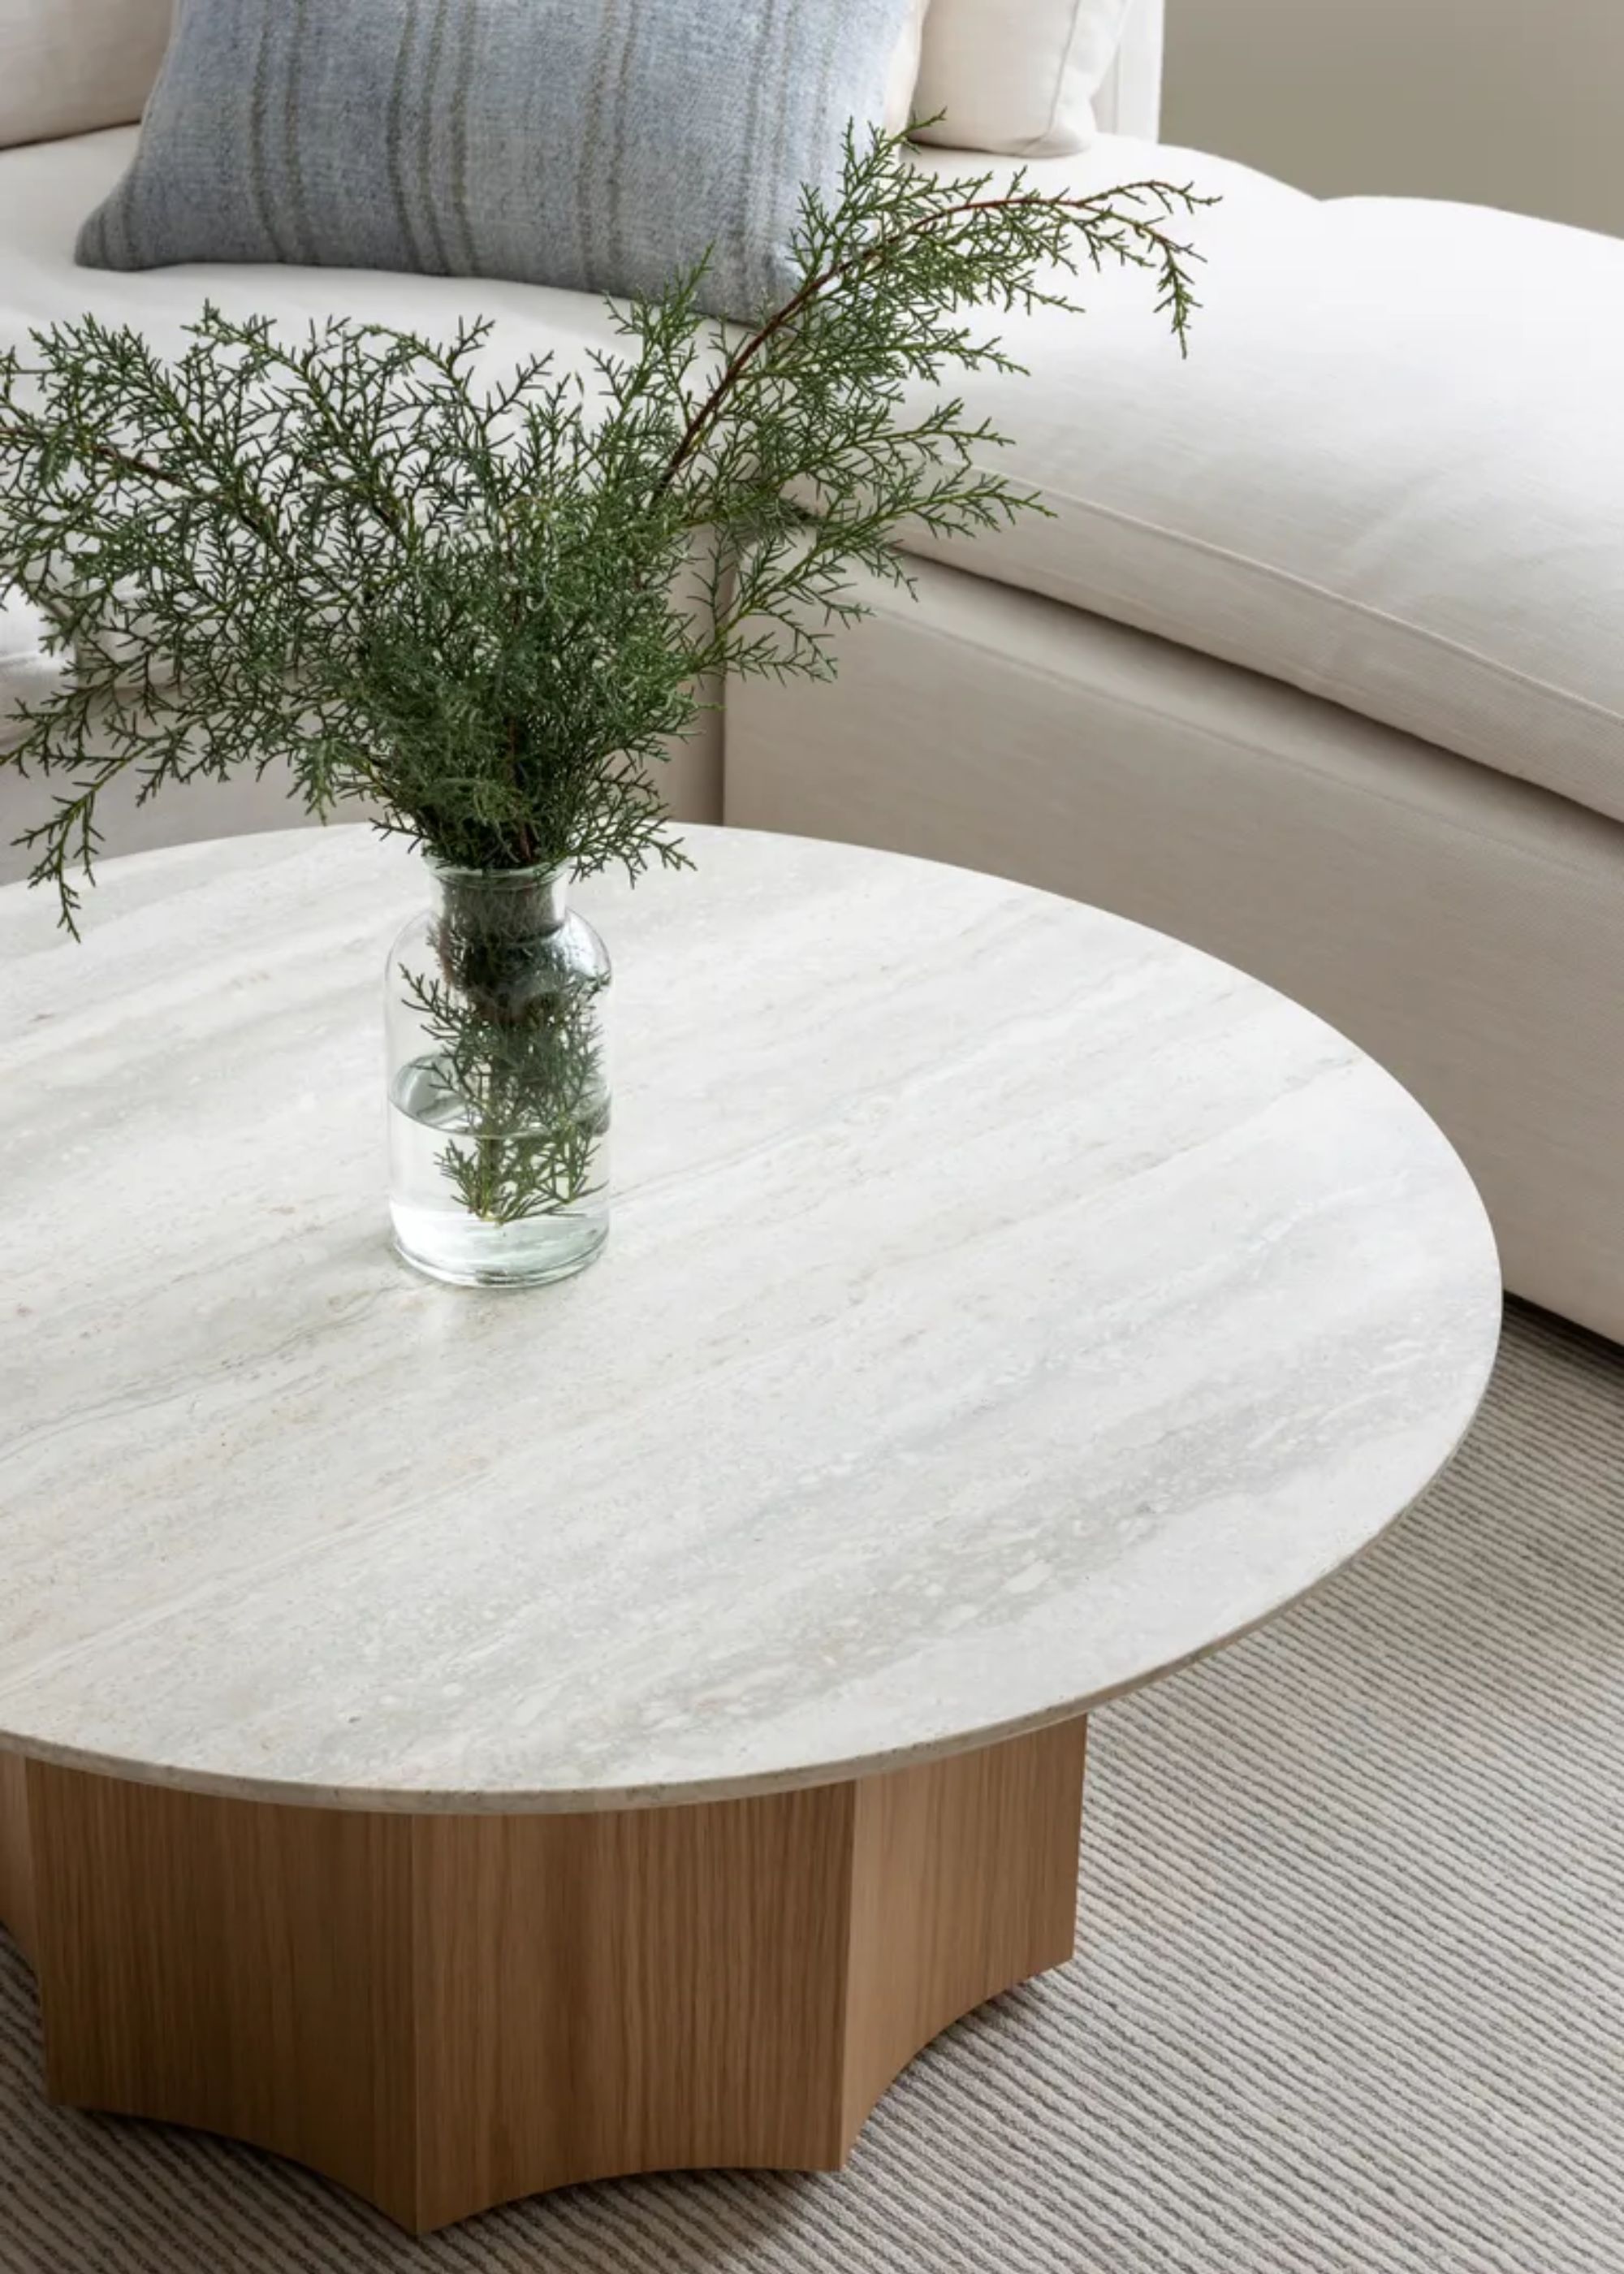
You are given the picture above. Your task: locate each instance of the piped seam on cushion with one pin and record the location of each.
(1273, 573)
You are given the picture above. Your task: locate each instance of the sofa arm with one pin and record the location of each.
(1130, 101)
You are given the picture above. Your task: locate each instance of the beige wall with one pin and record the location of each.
(1506, 102)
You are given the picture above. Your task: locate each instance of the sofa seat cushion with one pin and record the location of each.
(46, 189)
(1391, 471)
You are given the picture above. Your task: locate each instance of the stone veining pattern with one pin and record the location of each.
(1006, 1304)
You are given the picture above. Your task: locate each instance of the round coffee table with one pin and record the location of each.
(473, 1742)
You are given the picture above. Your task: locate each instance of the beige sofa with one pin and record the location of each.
(1319, 663)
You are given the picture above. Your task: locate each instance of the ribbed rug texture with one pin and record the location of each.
(1348, 1995)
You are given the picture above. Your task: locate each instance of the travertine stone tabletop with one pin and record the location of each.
(1006, 1304)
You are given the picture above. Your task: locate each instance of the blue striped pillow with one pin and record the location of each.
(596, 143)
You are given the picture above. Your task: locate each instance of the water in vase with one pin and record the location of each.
(440, 1163)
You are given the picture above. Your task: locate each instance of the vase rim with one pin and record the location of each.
(544, 872)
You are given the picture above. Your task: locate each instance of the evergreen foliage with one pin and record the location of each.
(466, 604)
(482, 608)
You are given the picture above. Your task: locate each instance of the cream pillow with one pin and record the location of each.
(1016, 75)
(69, 66)
(900, 106)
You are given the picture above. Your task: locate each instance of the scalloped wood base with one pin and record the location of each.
(445, 2012)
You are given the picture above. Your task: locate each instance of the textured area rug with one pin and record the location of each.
(1349, 1997)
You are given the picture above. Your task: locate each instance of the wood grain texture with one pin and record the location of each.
(964, 1883)
(634, 1992)
(16, 1855)
(244, 1968)
(445, 2012)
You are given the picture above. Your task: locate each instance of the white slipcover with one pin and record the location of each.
(1391, 471)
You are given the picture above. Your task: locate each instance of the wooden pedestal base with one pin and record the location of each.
(445, 2012)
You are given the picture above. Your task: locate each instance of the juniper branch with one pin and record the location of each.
(475, 606)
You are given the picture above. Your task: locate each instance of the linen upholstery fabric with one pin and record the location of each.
(1465, 929)
(69, 67)
(1391, 471)
(598, 145)
(1016, 75)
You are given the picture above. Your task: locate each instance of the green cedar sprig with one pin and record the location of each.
(482, 608)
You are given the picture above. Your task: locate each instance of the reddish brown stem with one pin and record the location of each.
(871, 256)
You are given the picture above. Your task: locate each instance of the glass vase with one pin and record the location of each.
(499, 1096)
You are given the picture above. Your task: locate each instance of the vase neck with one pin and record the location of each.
(520, 903)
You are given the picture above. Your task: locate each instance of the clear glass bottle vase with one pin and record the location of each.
(499, 1094)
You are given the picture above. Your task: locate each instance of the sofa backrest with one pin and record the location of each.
(69, 67)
